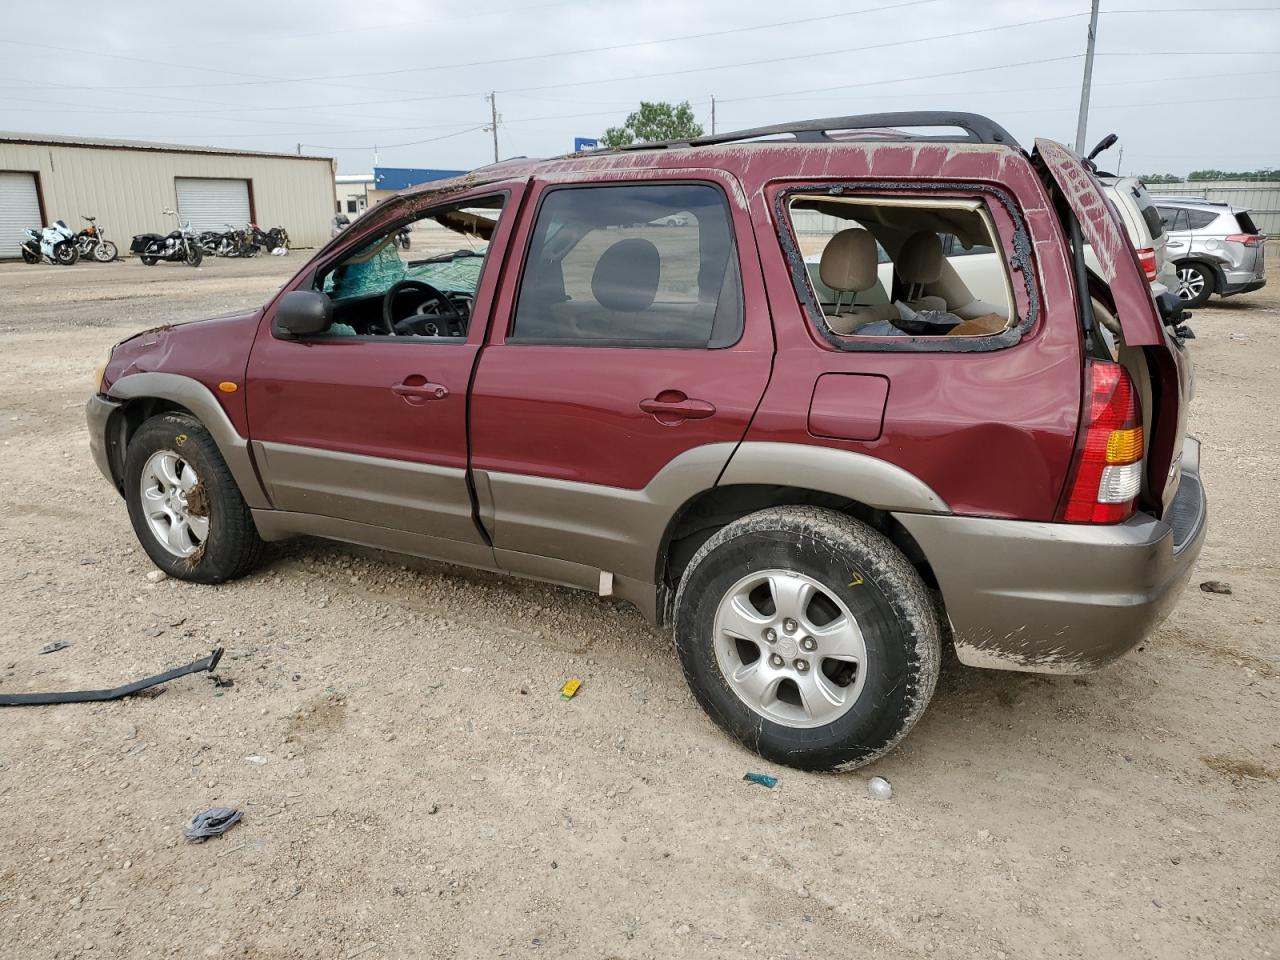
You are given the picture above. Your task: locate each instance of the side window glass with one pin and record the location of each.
(413, 279)
(631, 265)
(1199, 219)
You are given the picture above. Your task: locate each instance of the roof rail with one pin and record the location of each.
(979, 129)
(1188, 198)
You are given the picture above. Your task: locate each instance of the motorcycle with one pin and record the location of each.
(93, 242)
(233, 242)
(275, 240)
(56, 244)
(181, 245)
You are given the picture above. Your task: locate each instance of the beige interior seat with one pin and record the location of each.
(848, 265)
(918, 264)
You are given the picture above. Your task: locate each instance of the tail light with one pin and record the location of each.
(1107, 474)
(1248, 239)
(1147, 260)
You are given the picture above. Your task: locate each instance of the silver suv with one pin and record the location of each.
(1214, 247)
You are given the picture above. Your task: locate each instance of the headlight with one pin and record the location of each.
(100, 370)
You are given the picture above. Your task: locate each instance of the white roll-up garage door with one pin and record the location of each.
(212, 204)
(19, 209)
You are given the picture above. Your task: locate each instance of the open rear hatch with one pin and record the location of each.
(1168, 367)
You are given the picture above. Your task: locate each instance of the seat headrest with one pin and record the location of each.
(626, 276)
(920, 259)
(849, 261)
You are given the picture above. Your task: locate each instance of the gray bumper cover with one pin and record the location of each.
(98, 412)
(1062, 598)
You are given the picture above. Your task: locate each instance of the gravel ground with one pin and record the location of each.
(413, 786)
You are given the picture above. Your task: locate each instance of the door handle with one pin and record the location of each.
(672, 406)
(417, 389)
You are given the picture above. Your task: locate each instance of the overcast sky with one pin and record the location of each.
(342, 76)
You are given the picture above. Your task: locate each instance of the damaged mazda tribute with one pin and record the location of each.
(737, 381)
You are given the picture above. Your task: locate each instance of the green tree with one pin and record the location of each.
(654, 121)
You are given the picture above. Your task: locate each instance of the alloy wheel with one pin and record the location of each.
(174, 503)
(789, 648)
(1191, 283)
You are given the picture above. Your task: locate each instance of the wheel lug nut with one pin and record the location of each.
(801, 666)
(771, 635)
(789, 625)
(775, 661)
(810, 644)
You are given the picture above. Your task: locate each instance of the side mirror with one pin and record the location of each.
(302, 313)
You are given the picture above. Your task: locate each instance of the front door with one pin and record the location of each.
(637, 350)
(366, 423)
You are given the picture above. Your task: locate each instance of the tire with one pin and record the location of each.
(196, 256)
(1195, 283)
(29, 257)
(148, 261)
(883, 687)
(66, 254)
(215, 539)
(105, 252)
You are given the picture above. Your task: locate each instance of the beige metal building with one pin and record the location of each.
(127, 184)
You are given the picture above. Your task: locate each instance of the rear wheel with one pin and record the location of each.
(148, 261)
(1195, 283)
(29, 257)
(808, 637)
(185, 507)
(105, 252)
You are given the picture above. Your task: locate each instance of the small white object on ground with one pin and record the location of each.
(878, 788)
(155, 576)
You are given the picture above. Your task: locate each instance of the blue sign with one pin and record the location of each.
(585, 143)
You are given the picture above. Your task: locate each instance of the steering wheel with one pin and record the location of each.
(452, 317)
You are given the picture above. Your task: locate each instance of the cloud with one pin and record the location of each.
(345, 77)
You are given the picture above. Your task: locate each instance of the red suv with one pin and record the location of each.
(734, 381)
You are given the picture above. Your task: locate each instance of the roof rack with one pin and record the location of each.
(979, 129)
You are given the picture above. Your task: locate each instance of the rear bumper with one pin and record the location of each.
(98, 413)
(1233, 287)
(1062, 598)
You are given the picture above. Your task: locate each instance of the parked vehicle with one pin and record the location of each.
(402, 237)
(54, 244)
(810, 490)
(93, 242)
(1215, 248)
(181, 245)
(275, 240)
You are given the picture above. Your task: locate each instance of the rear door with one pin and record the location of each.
(1118, 268)
(627, 361)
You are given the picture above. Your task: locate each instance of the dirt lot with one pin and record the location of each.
(414, 787)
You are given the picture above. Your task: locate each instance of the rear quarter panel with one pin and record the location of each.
(991, 432)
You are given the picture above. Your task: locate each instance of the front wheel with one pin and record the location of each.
(66, 254)
(195, 255)
(105, 252)
(808, 637)
(185, 507)
(1195, 283)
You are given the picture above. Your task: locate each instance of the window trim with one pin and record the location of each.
(1019, 263)
(510, 336)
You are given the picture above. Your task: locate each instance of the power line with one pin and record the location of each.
(524, 58)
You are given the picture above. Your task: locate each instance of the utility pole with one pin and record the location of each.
(1083, 122)
(713, 116)
(492, 97)
(299, 149)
